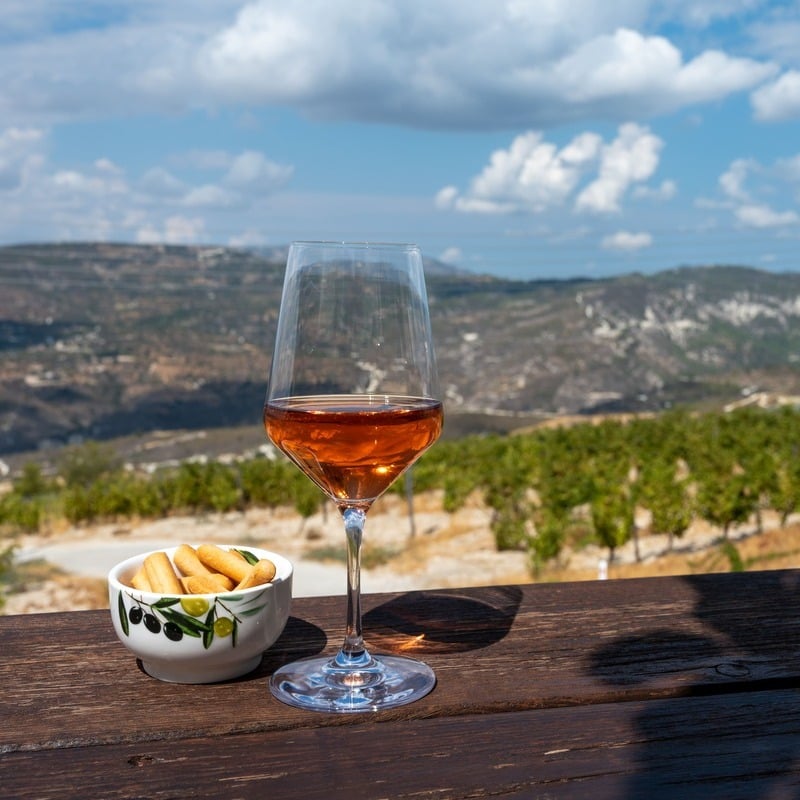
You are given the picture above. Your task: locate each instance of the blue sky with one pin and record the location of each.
(521, 138)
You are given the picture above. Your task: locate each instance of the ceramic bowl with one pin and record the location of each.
(199, 638)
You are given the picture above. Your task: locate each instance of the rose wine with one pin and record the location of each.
(353, 446)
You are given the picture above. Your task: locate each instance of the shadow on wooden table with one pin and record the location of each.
(422, 622)
(738, 734)
(413, 623)
(300, 639)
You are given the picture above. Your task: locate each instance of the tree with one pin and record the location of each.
(667, 498)
(548, 539)
(612, 517)
(563, 477)
(785, 496)
(724, 494)
(507, 493)
(724, 497)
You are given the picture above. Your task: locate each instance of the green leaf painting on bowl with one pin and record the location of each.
(162, 616)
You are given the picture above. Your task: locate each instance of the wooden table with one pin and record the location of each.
(655, 688)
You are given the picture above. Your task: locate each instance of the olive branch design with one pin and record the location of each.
(162, 616)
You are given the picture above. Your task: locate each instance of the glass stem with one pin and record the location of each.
(353, 651)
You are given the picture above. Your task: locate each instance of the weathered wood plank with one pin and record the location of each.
(67, 681)
(732, 746)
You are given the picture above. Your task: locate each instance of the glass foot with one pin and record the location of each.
(323, 684)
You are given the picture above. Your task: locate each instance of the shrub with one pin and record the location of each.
(31, 483)
(6, 562)
(84, 464)
(265, 482)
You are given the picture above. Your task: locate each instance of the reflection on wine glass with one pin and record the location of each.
(353, 402)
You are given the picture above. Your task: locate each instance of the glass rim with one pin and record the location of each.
(354, 245)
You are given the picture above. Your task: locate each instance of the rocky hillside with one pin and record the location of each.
(104, 340)
(628, 343)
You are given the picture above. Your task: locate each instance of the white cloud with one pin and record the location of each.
(746, 180)
(531, 175)
(733, 179)
(253, 169)
(631, 158)
(761, 216)
(627, 241)
(161, 183)
(250, 172)
(779, 100)
(534, 175)
(99, 201)
(177, 230)
(147, 234)
(209, 195)
(183, 230)
(701, 13)
(790, 168)
(107, 165)
(20, 156)
(625, 67)
(446, 197)
(248, 238)
(615, 72)
(713, 74)
(101, 183)
(529, 64)
(451, 255)
(666, 190)
(215, 160)
(266, 36)
(776, 36)
(40, 201)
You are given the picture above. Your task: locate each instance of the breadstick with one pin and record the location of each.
(225, 561)
(186, 560)
(205, 584)
(188, 563)
(225, 583)
(139, 580)
(263, 571)
(161, 575)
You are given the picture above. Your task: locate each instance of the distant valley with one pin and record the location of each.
(102, 341)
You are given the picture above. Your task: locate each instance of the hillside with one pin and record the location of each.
(101, 341)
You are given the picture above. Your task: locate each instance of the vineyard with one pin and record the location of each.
(548, 488)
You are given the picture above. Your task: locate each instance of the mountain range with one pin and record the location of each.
(107, 340)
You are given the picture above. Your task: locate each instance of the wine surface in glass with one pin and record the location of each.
(353, 446)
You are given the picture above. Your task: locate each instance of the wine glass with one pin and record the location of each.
(353, 402)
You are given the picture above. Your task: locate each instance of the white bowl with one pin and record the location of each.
(200, 638)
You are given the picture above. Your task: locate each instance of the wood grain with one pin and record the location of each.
(677, 748)
(669, 684)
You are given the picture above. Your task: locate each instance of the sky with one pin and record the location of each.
(520, 138)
